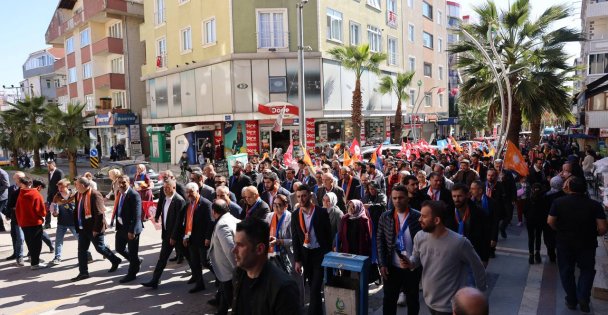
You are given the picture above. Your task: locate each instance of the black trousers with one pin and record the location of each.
(225, 297)
(409, 281)
(85, 239)
(165, 252)
(193, 254)
(535, 231)
(33, 239)
(313, 273)
(131, 253)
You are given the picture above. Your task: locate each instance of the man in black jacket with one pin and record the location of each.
(253, 205)
(510, 193)
(55, 175)
(490, 208)
(350, 184)
(328, 185)
(238, 180)
(437, 191)
(272, 188)
(260, 287)
(127, 215)
(414, 195)
(392, 245)
(311, 240)
(169, 210)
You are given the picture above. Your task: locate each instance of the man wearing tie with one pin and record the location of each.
(436, 190)
(90, 225)
(195, 226)
(290, 180)
(55, 175)
(127, 216)
(170, 207)
(253, 205)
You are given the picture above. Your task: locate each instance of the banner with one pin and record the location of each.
(253, 137)
(234, 138)
(310, 133)
(275, 108)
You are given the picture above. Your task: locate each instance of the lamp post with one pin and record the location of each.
(13, 87)
(416, 107)
(301, 85)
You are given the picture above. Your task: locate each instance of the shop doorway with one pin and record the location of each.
(281, 139)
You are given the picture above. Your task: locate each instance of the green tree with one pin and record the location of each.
(533, 55)
(472, 118)
(358, 59)
(11, 136)
(32, 135)
(67, 131)
(398, 86)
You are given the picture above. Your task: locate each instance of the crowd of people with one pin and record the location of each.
(431, 220)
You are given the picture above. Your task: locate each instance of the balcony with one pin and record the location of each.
(598, 9)
(598, 44)
(62, 91)
(112, 81)
(59, 64)
(108, 45)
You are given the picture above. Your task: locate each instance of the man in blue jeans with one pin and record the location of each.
(16, 232)
(578, 222)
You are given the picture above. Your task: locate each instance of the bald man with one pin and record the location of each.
(470, 301)
(253, 205)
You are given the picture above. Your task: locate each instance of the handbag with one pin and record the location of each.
(282, 261)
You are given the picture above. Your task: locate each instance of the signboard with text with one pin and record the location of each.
(252, 136)
(310, 133)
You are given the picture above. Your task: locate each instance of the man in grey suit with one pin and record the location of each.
(220, 252)
(55, 175)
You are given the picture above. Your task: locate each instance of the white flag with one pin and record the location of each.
(278, 124)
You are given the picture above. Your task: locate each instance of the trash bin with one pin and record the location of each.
(344, 294)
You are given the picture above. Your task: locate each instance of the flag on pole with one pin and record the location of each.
(376, 154)
(456, 145)
(514, 160)
(355, 150)
(288, 156)
(307, 160)
(278, 124)
(347, 159)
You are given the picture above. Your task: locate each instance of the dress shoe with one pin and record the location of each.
(191, 281)
(197, 288)
(173, 259)
(11, 257)
(537, 257)
(570, 306)
(115, 265)
(584, 306)
(152, 284)
(80, 277)
(214, 302)
(127, 278)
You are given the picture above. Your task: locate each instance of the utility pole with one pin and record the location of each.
(301, 84)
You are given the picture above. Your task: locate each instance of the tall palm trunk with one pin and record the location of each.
(398, 123)
(72, 164)
(535, 124)
(516, 121)
(356, 110)
(37, 157)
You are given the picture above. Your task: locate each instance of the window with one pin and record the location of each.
(598, 64)
(392, 51)
(39, 62)
(115, 30)
(391, 5)
(411, 32)
(69, 45)
(48, 84)
(439, 45)
(427, 10)
(87, 71)
(355, 34)
(183, 1)
(186, 40)
(159, 14)
(374, 3)
(57, 83)
(272, 28)
(161, 53)
(428, 69)
(427, 40)
(410, 3)
(411, 64)
(117, 65)
(209, 36)
(441, 100)
(428, 99)
(90, 102)
(118, 99)
(334, 25)
(72, 76)
(440, 72)
(439, 17)
(412, 98)
(85, 38)
(374, 37)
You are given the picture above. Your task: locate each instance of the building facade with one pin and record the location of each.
(39, 75)
(219, 73)
(102, 63)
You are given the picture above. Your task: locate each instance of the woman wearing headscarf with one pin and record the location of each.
(330, 202)
(354, 234)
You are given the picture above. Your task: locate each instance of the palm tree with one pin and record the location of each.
(472, 118)
(32, 136)
(397, 86)
(358, 59)
(67, 131)
(11, 136)
(534, 59)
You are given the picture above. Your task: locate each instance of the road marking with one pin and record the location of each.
(530, 298)
(39, 308)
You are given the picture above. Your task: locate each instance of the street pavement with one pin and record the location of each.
(515, 287)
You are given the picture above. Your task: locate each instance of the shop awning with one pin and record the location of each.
(448, 121)
(581, 136)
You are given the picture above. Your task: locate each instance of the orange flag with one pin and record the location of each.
(514, 160)
(347, 159)
(456, 145)
(307, 160)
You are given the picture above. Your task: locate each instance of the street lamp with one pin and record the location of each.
(16, 88)
(301, 93)
(416, 107)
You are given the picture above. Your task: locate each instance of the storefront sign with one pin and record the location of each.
(103, 119)
(217, 135)
(387, 129)
(310, 133)
(252, 131)
(134, 132)
(136, 148)
(124, 119)
(322, 133)
(603, 133)
(274, 108)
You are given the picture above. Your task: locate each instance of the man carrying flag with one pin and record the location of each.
(514, 160)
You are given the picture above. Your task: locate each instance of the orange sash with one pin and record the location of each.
(86, 204)
(397, 223)
(303, 224)
(190, 216)
(273, 230)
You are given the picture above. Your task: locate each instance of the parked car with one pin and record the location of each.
(128, 167)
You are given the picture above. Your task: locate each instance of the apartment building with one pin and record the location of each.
(102, 63)
(453, 23)
(39, 75)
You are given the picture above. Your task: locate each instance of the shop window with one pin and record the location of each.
(277, 84)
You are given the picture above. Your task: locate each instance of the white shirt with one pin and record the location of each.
(408, 240)
(311, 231)
(166, 209)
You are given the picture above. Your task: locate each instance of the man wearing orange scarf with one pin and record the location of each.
(30, 212)
(90, 223)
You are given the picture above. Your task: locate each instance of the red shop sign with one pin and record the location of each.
(310, 133)
(252, 136)
(274, 108)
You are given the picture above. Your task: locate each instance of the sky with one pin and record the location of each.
(19, 39)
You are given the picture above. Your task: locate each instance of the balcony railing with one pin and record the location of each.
(108, 45)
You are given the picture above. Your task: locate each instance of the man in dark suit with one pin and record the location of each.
(238, 180)
(349, 184)
(204, 190)
(311, 240)
(253, 205)
(169, 210)
(289, 180)
(490, 208)
(437, 191)
(127, 217)
(329, 186)
(477, 166)
(496, 191)
(195, 226)
(54, 176)
(308, 178)
(272, 188)
(90, 224)
(414, 195)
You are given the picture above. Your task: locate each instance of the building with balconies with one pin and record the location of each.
(39, 75)
(102, 64)
(454, 19)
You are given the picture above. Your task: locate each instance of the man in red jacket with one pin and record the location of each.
(30, 212)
